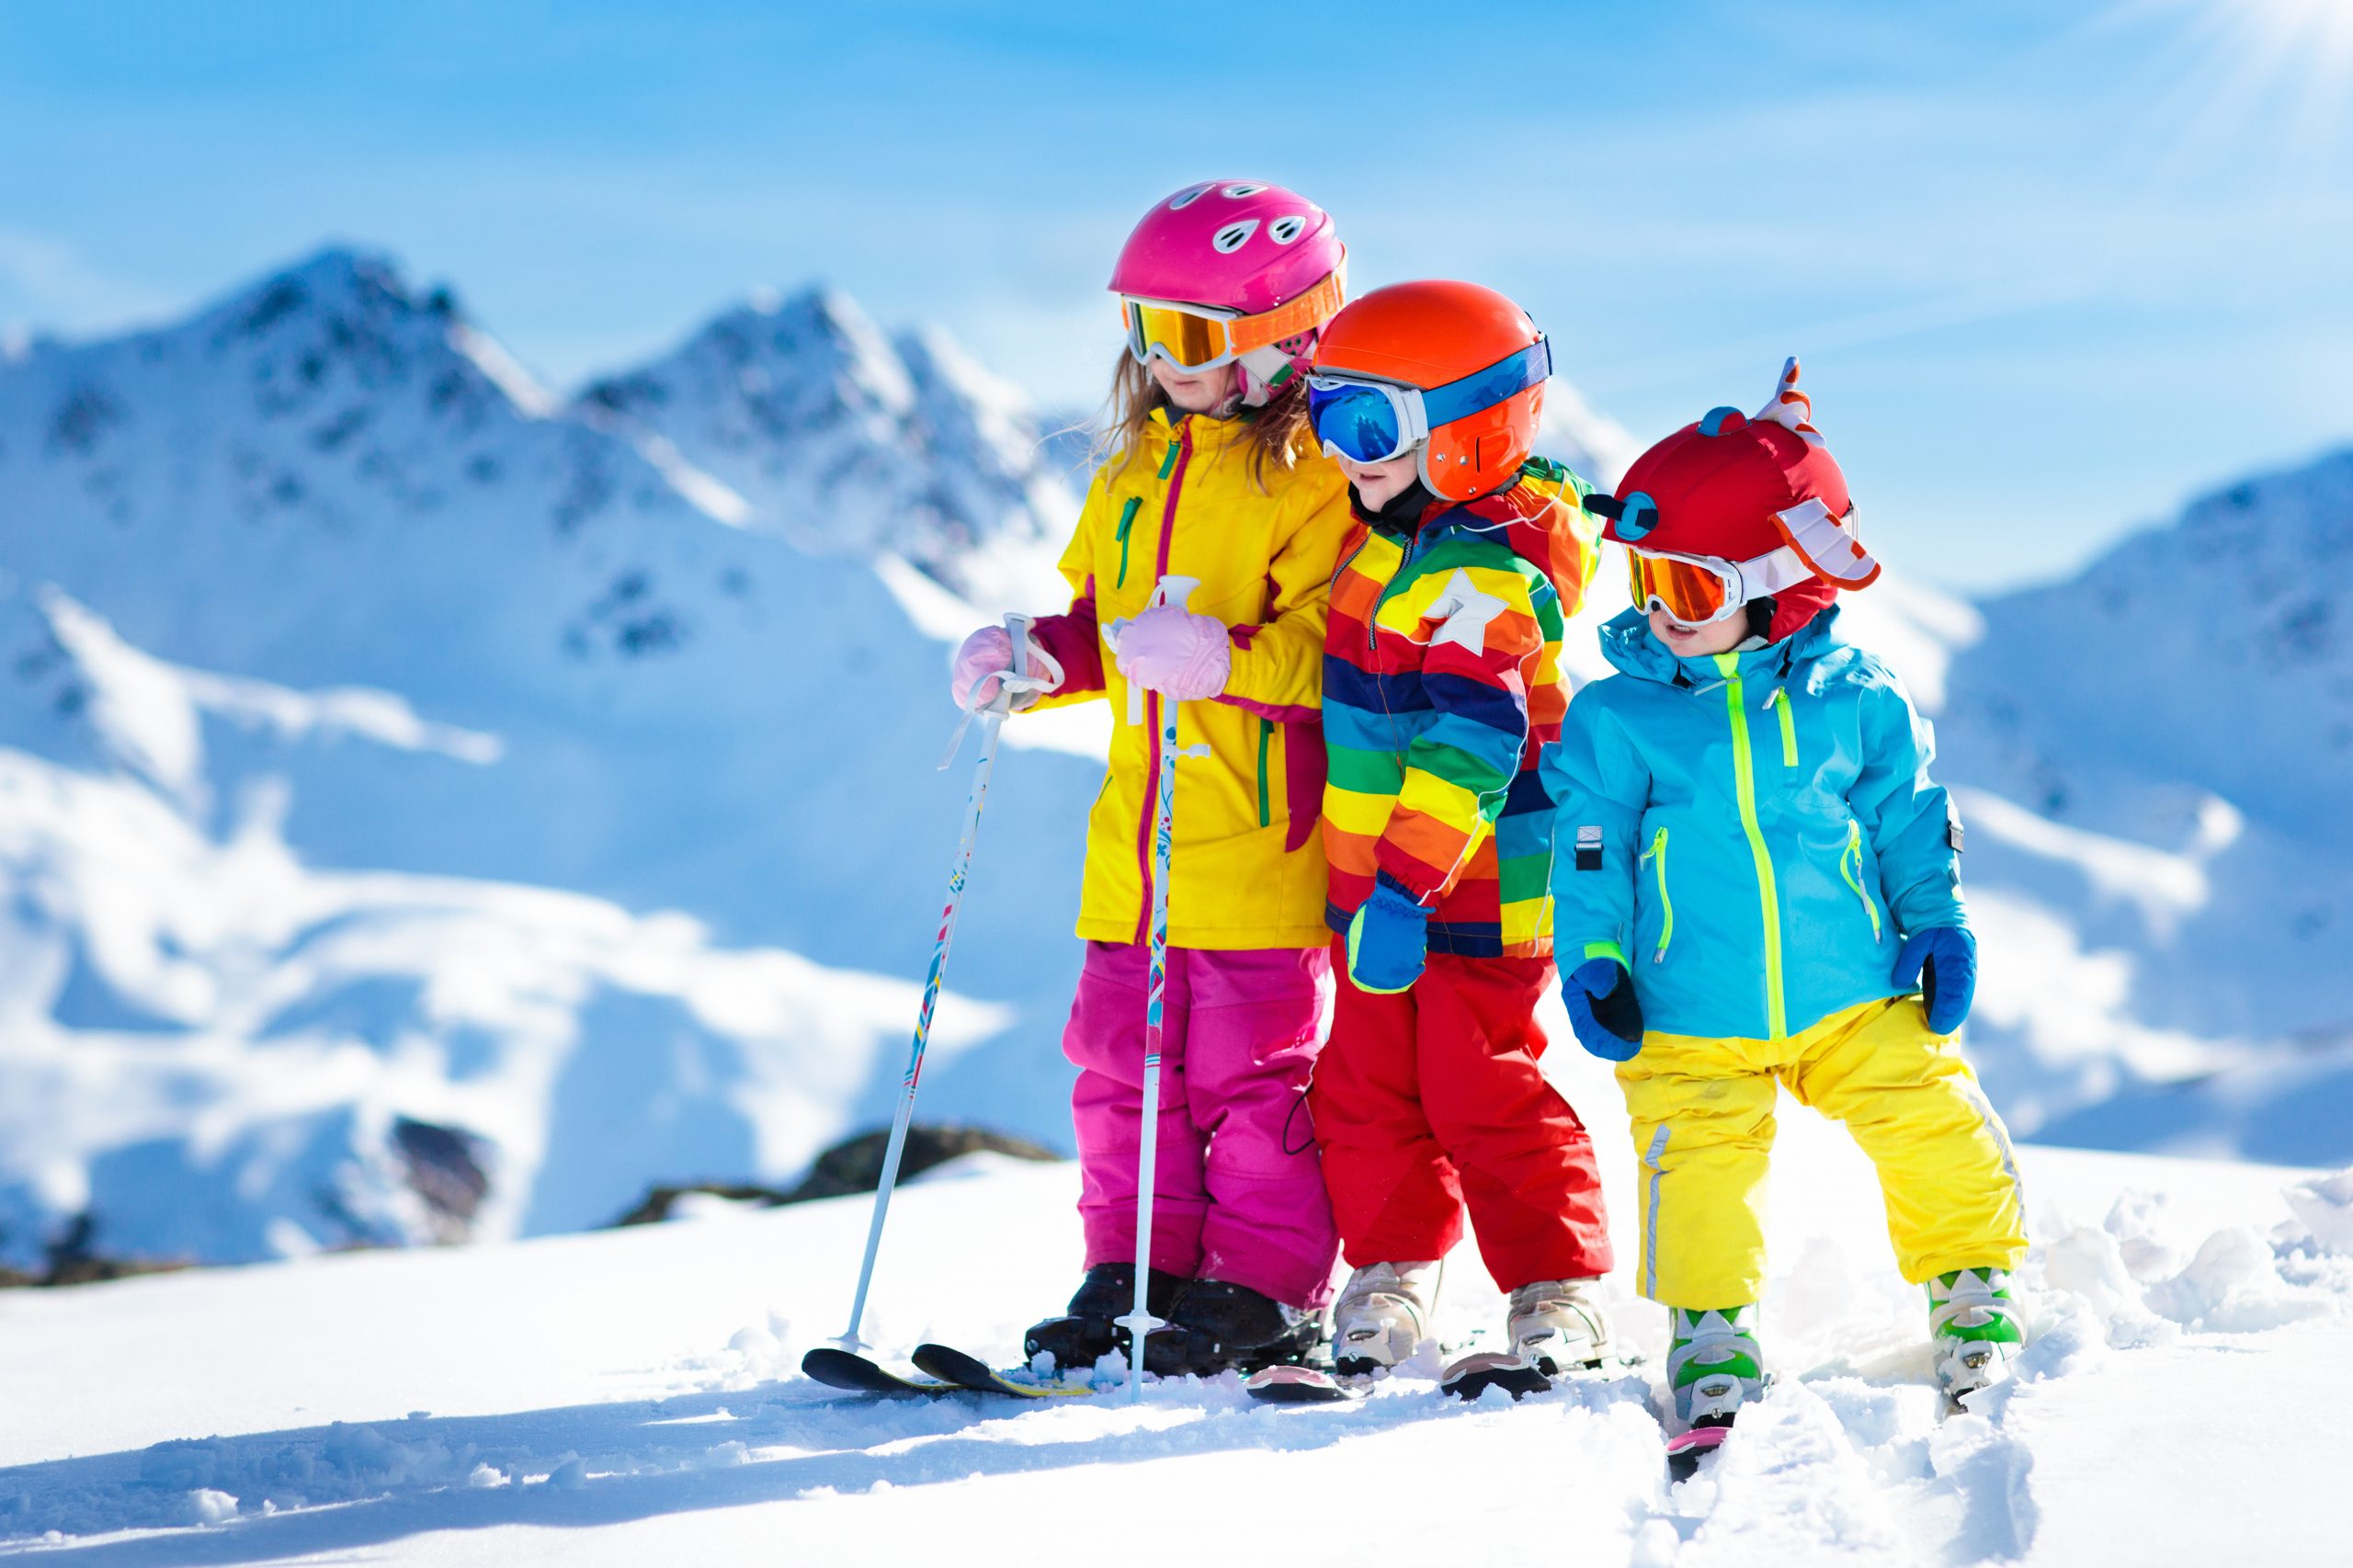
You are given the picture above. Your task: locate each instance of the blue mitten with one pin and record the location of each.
(1602, 1009)
(1942, 963)
(1387, 938)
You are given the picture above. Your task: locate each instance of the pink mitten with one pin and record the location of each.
(986, 654)
(1177, 653)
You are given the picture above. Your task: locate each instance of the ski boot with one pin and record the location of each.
(1214, 1325)
(1713, 1367)
(1973, 1329)
(1381, 1315)
(1558, 1326)
(1086, 1332)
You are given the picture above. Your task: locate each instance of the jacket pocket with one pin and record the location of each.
(1656, 855)
(1850, 871)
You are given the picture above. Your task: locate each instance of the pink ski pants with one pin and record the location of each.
(1238, 1195)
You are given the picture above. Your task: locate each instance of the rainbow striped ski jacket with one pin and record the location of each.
(1441, 692)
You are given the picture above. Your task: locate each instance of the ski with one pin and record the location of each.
(1293, 1384)
(1466, 1376)
(841, 1369)
(969, 1372)
(1685, 1450)
(1474, 1374)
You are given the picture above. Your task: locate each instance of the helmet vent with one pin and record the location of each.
(1187, 198)
(1239, 191)
(1233, 236)
(1283, 230)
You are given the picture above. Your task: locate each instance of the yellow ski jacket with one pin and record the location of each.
(1247, 866)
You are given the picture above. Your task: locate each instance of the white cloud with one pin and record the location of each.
(48, 282)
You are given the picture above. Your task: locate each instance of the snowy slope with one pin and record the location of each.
(633, 1397)
(219, 1051)
(2152, 760)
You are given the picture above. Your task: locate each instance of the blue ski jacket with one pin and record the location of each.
(1751, 834)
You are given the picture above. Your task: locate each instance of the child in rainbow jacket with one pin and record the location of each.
(1442, 691)
(1757, 887)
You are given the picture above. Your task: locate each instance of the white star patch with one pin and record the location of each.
(1466, 611)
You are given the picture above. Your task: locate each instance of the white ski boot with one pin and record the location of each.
(1713, 1364)
(1557, 1325)
(1381, 1315)
(1974, 1331)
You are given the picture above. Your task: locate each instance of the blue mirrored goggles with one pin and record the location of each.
(1370, 421)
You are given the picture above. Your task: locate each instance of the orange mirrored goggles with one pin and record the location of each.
(1695, 590)
(1202, 337)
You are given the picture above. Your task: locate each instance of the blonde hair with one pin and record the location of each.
(1277, 432)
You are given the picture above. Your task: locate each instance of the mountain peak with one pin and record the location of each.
(844, 439)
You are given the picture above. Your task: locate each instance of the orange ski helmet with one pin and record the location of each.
(1452, 371)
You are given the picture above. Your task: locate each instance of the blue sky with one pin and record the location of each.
(2051, 267)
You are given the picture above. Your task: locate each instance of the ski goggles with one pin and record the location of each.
(1700, 590)
(1370, 421)
(1202, 337)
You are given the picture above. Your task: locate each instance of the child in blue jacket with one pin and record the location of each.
(1757, 888)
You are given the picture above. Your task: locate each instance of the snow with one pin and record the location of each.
(633, 1396)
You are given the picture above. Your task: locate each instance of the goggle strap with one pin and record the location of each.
(1506, 379)
(1290, 318)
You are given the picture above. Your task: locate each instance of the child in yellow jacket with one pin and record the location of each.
(1209, 476)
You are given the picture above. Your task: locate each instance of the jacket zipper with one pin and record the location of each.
(1850, 866)
(1788, 727)
(1180, 456)
(1657, 855)
(1744, 766)
(1372, 621)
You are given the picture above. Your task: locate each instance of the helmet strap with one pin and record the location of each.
(1266, 371)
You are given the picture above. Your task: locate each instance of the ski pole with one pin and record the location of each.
(1140, 1323)
(992, 714)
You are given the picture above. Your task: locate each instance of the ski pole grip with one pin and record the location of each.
(1017, 629)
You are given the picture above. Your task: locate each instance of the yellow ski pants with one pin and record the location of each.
(1702, 1111)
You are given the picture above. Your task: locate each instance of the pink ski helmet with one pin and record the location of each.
(1264, 261)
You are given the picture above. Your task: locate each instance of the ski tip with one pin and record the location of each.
(1474, 1374)
(1685, 1450)
(839, 1368)
(969, 1372)
(1299, 1385)
(1699, 1441)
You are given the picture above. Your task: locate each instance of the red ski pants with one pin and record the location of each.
(1431, 1099)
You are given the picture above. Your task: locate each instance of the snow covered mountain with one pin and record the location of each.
(431, 806)
(319, 575)
(845, 441)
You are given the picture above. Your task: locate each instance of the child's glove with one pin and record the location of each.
(985, 654)
(1388, 936)
(1942, 962)
(1602, 1009)
(1177, 653)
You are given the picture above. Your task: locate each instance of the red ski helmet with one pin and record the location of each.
(1472, 363)
(1759, 492)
